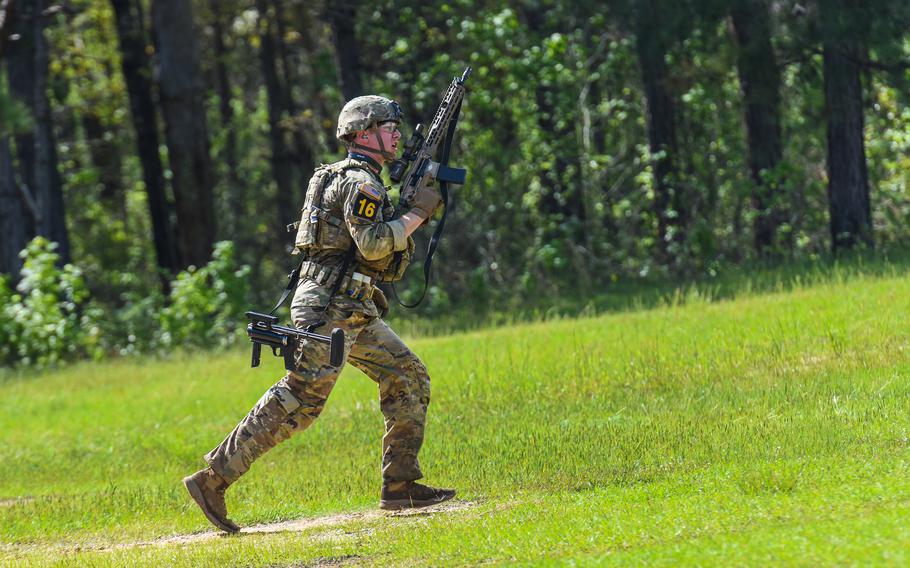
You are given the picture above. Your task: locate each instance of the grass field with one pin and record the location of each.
(769, 427)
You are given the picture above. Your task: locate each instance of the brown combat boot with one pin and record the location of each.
(207, 489)
(410, 495)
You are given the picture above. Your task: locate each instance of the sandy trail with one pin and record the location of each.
(327, 522)
(15, 501)
(328, 528)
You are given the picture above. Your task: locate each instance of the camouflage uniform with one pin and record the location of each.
(350, 242)
(354, 208)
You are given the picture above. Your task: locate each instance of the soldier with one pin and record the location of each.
(349, 242)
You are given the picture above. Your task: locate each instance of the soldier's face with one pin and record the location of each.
(380, 141)
(390, 135)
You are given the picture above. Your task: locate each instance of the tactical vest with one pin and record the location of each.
(319, 229)
(313, 216)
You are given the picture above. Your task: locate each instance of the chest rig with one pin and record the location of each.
(311, 233)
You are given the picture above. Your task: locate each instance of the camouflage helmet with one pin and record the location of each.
(360, 113)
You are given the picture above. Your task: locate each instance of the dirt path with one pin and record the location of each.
(328, 528)
(328, 522)
(16, 501)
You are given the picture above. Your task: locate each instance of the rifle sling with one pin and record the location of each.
(293, 278)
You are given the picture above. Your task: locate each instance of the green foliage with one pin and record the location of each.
(889, 161)
(206, 305)
(14, 117)
(7, 332)
(49, 318)
(41, 324)
(132, 327)
(560, 197)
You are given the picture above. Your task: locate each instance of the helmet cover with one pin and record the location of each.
(361, 113)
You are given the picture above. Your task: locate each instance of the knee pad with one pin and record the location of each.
(276, 409)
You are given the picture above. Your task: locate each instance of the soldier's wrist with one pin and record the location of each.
(419, 212)
(412, 220)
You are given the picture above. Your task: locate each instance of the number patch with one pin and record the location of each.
(365, 207)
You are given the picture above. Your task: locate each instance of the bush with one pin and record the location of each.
(41, 324)
(206, 305)
(133, 327)
(48, 318)
(7, 335)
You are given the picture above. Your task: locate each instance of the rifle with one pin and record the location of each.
(419, 151)
(263, 329)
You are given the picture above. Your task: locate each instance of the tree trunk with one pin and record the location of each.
(137, 72)
(281, 157)
(342, 17)
(848, 181)
(759, 79)
(182, 101)
(235, 187)
(312, 16)
(6, 14)
(652, 46)
(105, 156)
(28, 71)
(14, 230)
(303, 154)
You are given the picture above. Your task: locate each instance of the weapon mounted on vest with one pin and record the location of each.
(263, 329)
(417, 163)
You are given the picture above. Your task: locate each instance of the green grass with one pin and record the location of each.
(573, 299)
(764, 428)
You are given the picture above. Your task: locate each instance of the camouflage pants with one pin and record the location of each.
(295, 401)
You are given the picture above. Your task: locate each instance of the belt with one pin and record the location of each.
(354, 284)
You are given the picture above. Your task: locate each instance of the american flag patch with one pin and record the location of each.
(369, 189)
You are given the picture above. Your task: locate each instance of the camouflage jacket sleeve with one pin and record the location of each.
(363, 202)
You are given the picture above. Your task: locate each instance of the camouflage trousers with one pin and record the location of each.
(295, 401)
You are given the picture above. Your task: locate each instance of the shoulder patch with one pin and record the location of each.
(370, 190)
(366, 204)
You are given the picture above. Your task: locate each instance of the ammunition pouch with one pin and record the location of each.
(353, 284)
(382, 303)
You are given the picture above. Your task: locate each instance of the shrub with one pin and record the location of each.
(7, 333)
(206, 305)
(48, 317)
(41, 323)
(130, 329)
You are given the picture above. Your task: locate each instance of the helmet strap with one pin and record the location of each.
(382, 149)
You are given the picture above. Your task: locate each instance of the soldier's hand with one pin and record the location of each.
(427, 200)
(382, 304)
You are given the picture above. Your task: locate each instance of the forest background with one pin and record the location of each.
(152, 153)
